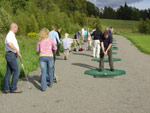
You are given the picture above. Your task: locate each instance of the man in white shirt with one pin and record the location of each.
(12, 51)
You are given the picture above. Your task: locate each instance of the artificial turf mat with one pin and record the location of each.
(106, 59)
(115, 48)
(114, 52)
(105, 72)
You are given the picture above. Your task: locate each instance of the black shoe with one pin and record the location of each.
(6, 92)
(100, 70)
(111, 69)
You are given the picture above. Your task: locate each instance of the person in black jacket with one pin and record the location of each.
(96, 35)
(58, 45)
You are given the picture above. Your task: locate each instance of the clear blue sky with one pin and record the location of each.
(141, 4)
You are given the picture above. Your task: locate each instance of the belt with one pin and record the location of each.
(10, 52)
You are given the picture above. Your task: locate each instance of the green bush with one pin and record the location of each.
(144, 26)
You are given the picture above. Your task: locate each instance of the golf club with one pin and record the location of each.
(29, 86)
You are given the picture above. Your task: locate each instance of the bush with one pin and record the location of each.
(144, 26)
(32, 35)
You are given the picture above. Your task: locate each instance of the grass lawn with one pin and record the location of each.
(121, 26)
(141, 41)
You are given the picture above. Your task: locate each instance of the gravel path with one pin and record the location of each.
(79, 93)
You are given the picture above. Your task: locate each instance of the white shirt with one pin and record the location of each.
(54, 35)
(83, 32)
(66, 42)
(11, 38)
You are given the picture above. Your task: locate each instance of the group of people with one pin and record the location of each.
(48, 47)
(100, 42)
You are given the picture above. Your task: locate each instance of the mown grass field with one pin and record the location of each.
(121, 26)
(141, 41)
(129, 29)
(28, 50)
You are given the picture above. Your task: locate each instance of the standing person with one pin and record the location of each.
(76, 38)
(106, 49)
(45, 47)
(96, 35)
(111, 29)
(58, 45)
(54, 35)
(83, 33)
(12, 51)
(66, 45)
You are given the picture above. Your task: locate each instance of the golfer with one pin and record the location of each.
(12, 51)
(45, 47)
(106, 49)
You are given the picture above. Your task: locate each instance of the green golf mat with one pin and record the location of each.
(114, 52)
(105, 72)
(106, 59)
(115, 48)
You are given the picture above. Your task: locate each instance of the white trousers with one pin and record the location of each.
(96, 48)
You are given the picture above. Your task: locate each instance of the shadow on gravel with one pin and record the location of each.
(34, 80)
(59, 59)
(84, 65)
(82, 54)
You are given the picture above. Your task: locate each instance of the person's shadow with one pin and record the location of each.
(84, 65)
(82, 54)
(34, 79)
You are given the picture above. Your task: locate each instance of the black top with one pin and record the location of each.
(59, 34)
(106, 41)
(97, 35)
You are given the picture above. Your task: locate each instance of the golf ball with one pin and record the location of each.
(105, 73)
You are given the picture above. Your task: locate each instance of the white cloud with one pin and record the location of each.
(113, 3)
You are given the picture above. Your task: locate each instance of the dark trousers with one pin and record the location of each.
(58, 48)
(101, 64)
(12, 68)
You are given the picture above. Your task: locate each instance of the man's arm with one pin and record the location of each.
(102, 46)
(14, 48)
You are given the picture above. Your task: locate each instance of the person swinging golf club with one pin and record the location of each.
(12, 52)
(106, 49)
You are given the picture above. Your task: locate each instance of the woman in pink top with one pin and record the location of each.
(46, 46)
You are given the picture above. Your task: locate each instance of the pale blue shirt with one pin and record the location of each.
(66, 42)
(54, 35)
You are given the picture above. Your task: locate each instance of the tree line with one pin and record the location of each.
(124, 13)
(32, 15)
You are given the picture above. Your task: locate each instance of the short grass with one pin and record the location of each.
(141, 41)
(28, 50)
(121, 26)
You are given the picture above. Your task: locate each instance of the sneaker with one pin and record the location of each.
(65, 58)
(17, 91)
(6, 92)
(111, 69)
(43, 90)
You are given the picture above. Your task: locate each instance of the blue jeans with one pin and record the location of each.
(12, 67)
(46, 63)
